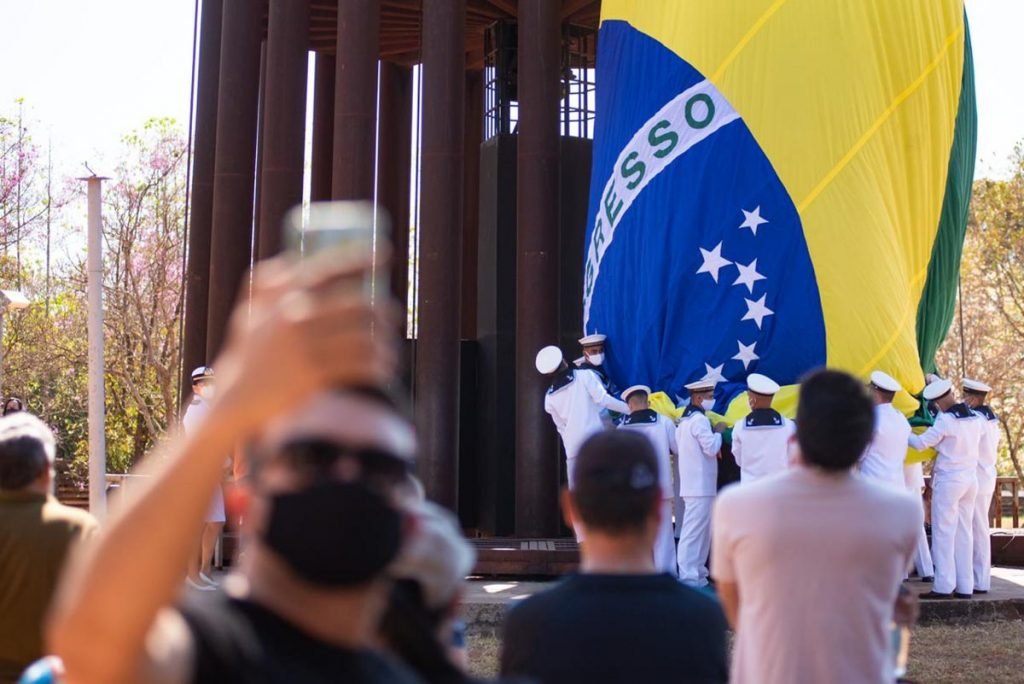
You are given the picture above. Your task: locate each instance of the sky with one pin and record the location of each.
(90, 71)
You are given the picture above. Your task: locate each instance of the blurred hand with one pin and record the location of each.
(720, 427)
(308, 326)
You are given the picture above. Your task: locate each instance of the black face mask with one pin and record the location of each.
(334, 534)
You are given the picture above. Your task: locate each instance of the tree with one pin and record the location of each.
(991, 305)
(144, 230)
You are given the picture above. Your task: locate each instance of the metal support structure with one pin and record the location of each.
(437, 348)
(474, 133)
(234, 168)
(536, 262)
(97, 415)
(394, 167)
(355, 99)
(284, 119)
(323, 128)
(197, 273)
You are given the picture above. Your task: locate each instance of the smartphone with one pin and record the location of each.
(346, 229)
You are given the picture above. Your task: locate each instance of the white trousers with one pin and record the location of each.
(953, 503)
(923, 555)
(665, 543)
(982, 532)
(695, 540)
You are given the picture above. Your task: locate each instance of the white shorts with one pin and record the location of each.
(216, 514)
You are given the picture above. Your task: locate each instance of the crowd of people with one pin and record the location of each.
(349, 575)
(965, 436)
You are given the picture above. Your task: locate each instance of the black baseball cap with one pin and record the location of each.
(616, 481)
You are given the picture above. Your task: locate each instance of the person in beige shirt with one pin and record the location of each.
(809, 562)
(36, 532)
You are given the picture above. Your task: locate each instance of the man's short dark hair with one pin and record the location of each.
(616, 482)
(835, 420)
(27, 449)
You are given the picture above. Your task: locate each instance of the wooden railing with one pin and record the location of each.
(1003, 505)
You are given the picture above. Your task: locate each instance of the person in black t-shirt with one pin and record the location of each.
(619, 620)
(324, 520)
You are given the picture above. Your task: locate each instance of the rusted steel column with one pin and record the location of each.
(471, 199)
(284, 118)
(323, 128)
(395, 167)
(234, 169)
(197, 273)
(536, 263)
(355, 99)
(261, 110)
(437, 349)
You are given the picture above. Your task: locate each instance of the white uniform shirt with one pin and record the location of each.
(195, 413)
(697, 447)
(575, 407)
(662, 434)
(989, 449)
(761, 450)
(884, 457)
(957, 441)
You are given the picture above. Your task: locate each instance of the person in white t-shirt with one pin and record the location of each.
(809, 562)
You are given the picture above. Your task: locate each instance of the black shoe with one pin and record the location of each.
(958, 595)
(929, 579)
(981, 591)
(934, 595)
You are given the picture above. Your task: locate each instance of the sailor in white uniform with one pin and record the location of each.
(956, 436)
(760, 441)
(698, 448)
(913, 478)
(593, 356)
(661, 432)
(975, 394)
(883, 459)
(574, 402)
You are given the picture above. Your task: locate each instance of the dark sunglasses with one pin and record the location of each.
(318, 459)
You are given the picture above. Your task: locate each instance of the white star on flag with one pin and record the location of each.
(748, 275)
(756, 311)
(752, 219)
(746, 354)
(714, 374)
(713, 261)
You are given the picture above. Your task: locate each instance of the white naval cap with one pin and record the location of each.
(635, 388)
(762, 384)
(202, 373)
(548, 359)
(596, 338)
(701, 385)
(885, 382)
(937, 389)
(976, 386)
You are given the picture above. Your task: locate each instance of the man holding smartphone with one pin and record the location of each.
(303, 605)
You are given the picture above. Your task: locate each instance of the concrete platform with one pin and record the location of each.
(487, 601)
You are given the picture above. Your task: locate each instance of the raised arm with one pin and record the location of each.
(930, 437)
(302, 334)
(598, 392)
(709, 440)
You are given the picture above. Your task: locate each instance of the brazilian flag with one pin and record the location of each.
(777, 185)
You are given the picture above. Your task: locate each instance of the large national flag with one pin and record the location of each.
(777, 185)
